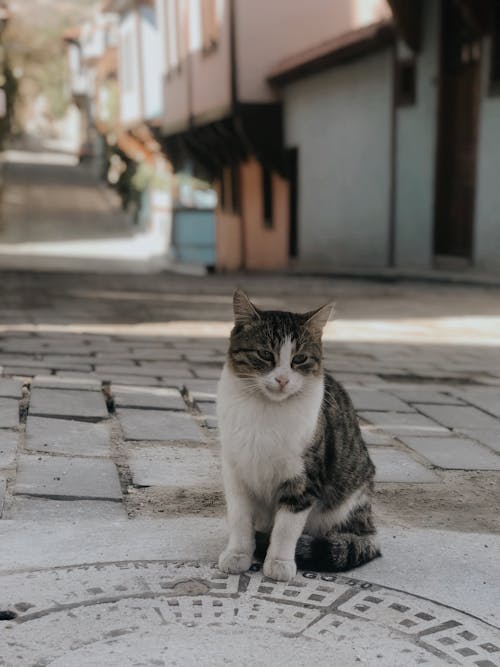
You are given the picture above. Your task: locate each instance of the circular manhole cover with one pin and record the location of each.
(164, 613)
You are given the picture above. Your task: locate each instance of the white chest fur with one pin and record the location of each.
(263, 441)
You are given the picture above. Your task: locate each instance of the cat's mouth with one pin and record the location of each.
(278, 395)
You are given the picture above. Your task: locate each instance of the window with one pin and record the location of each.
(209, 25)
(495, 53)
(406, 84)
(267, 198)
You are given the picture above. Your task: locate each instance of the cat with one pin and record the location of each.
(294, 463)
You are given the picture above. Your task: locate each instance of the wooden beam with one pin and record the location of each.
(408, 19)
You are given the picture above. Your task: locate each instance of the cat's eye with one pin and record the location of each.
(299, 359)
(265, 355)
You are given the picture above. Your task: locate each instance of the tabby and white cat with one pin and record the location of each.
(294, 464)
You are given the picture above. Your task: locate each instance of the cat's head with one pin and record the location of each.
(277, 354)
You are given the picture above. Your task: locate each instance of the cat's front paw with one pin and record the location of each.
(234, 562)
(280, 570)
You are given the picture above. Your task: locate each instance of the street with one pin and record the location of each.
(110, 493)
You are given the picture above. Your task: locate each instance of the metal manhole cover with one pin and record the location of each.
(165, 613)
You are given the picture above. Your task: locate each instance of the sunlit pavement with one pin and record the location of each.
(109, 474)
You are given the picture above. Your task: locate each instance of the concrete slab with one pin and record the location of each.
(454, 453)
(208, 372)
(400, 423)
(207, 408)
(175, 466)
(61, 477)
(46, 510)
(10, 388)
(77, 404)
(201, 390)
(376, 400)
(57, 382)
(158, 425)
(3, 490)
(485, 437)
(393, 465)
(9, 413)
(426, 394)
(8, 449)
(65, 436)
(373, 437)
(487, 399)
(159, 398)
(455, 416)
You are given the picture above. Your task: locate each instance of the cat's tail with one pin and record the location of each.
(337, 552)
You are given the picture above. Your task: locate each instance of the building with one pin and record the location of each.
(396, 128)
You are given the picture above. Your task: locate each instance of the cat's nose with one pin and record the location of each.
(282, 381)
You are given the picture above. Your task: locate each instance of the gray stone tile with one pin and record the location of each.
(133, 380)
(486, 437)
(207, 372)
(149, 370)
(77, 404)
(175, 466)
(8, 448)
(148, 397)
(398, 423)
(58, 382)
(454, 453)
(373, 437)
(374, 399)
(425, 395)
(393, 465)
(9, 413)
(207, 408)
(158, 425)
(58, 476)
(457, 416)
(43, 509)
(485, 398)
(10, 388)
(211, 422)
(201, 390)
(26, 371)
(65, 436)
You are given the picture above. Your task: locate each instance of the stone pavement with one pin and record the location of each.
(110, 493)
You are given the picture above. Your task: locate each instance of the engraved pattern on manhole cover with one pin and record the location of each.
(163, 613)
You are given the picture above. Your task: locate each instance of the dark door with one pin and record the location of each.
(292, 167)
(459, 95)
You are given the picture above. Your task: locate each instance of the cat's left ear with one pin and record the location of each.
(244, 310)
(316, 319)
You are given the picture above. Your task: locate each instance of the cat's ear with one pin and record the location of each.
(316, 319)
(244, 310)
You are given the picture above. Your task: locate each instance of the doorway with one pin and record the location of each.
(459, 97)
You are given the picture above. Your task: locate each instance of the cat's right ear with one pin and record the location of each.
(244, 310)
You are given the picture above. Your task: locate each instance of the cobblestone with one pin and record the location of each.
(58, 382)
(157, 398)
(459, 416)
(376, 400)
(158, 425)
(9, 413)
(10, 388)
(176, 466)
(454, 453)
(45, 510)
(58, 476)
(398, 423)
(65, 436)
(3, 489)
(8, 448)
(394, 465)
(77, 404)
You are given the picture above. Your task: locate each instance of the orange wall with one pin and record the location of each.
(264, 248)
(227, 239)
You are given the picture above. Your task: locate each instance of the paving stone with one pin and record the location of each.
(393, 465)
(8, 449)
(10, 388)
(151, 370)
(485, 398)
(9, 413)
(207, 372)
(211, 422)
(454, 453)
(152, 354)
(43, 509)
(374, 399)
(58, 382)
(133, 380)
(175, 466)
(77, 404)
(166, 369)
(425, 395)
(58, 476)
(26, 371)
(373, 437)
(207, 408)
(486, 437)
(403, 423)
(201, 390)
(65, 436)
(158, 425)
(59, 360)
(3, 491)
(148, 397)
(455, 416)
